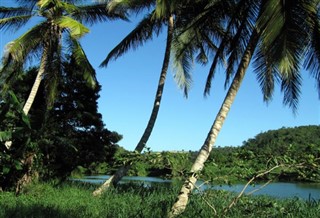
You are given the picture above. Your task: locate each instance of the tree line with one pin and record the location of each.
(297, 147)
(278, 37)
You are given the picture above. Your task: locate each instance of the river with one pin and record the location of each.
(277, 189)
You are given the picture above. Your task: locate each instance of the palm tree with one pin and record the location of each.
(55, 36)
(151, 24)
(61, 23)
(283, 33)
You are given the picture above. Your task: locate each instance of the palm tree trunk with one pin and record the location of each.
(36, 84)
(122, 171)
(28, 176)
(33, 92)
(188, 186)
(32, 95)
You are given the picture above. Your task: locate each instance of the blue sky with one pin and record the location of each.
(130, 82)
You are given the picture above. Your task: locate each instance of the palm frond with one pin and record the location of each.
(75, 28)
(14, 23)
(130, 5)
(271, 20)
(143, 32)
(165, 8)
(183, 48)
(46, 4)
(82, 61)
(7, 12)
(202, 56)
(285, 48)
(182, 74)
(312, 57)
(243, 28)
(53, 72)
(97, 13)
(9, 72)
(266, 73)
(27, 3)
(18, 52)
(27, 43)
(290, 87)
(217, 58)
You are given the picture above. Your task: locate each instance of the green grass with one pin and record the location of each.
(74, 200)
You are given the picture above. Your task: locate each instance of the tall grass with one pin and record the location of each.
(75, 200)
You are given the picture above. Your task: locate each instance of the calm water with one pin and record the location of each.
(277, 189)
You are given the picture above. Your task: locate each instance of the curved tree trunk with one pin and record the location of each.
(36, 84)
(188, 186)
(114, 179)
(32, 95)
(28, 176)
(33, 92)
(49, 47)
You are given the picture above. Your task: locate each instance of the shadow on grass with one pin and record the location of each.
(35, 210)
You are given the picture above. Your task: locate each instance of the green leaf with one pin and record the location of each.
(14, 98)
(5, 135)
(18, 165)
(6, 170)
(25, 119)
(76, 29)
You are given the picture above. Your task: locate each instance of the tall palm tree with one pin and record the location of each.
(283, 34)
(55, 36)
(162, 14)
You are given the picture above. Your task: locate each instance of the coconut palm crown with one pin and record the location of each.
(59, 26)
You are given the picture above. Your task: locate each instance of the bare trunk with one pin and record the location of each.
(28, 176)
(114, 179)
(50, 46)
(33, 92)
(188, 186)
(35, 87)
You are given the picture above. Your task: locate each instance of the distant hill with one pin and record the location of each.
(277, 141)
(297, 148)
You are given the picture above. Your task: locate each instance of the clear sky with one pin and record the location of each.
(129, 85)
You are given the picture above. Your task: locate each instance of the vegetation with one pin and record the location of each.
(295, 149)
(69, 200)
(68, 136)
(54, 38)
(278, 37)
(65, 132)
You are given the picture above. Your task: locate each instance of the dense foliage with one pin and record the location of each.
(70, 134)
(294, 151)
(15, 129)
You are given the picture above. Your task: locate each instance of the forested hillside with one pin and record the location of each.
(298, 149)
(296, 152)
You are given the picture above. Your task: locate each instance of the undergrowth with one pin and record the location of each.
(131, 200)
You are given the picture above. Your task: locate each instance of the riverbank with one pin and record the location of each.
(75, 200)
(274, 189)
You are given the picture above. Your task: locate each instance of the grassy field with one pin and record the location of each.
(74, 200)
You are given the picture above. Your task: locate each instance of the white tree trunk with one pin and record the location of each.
(36, 84)
(188, 186)
(33, 92)
(28, 176)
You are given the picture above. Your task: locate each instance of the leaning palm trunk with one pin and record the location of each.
(205, 150)
(33, 92)
(28, 161)
(122, 171)
(36, 84)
